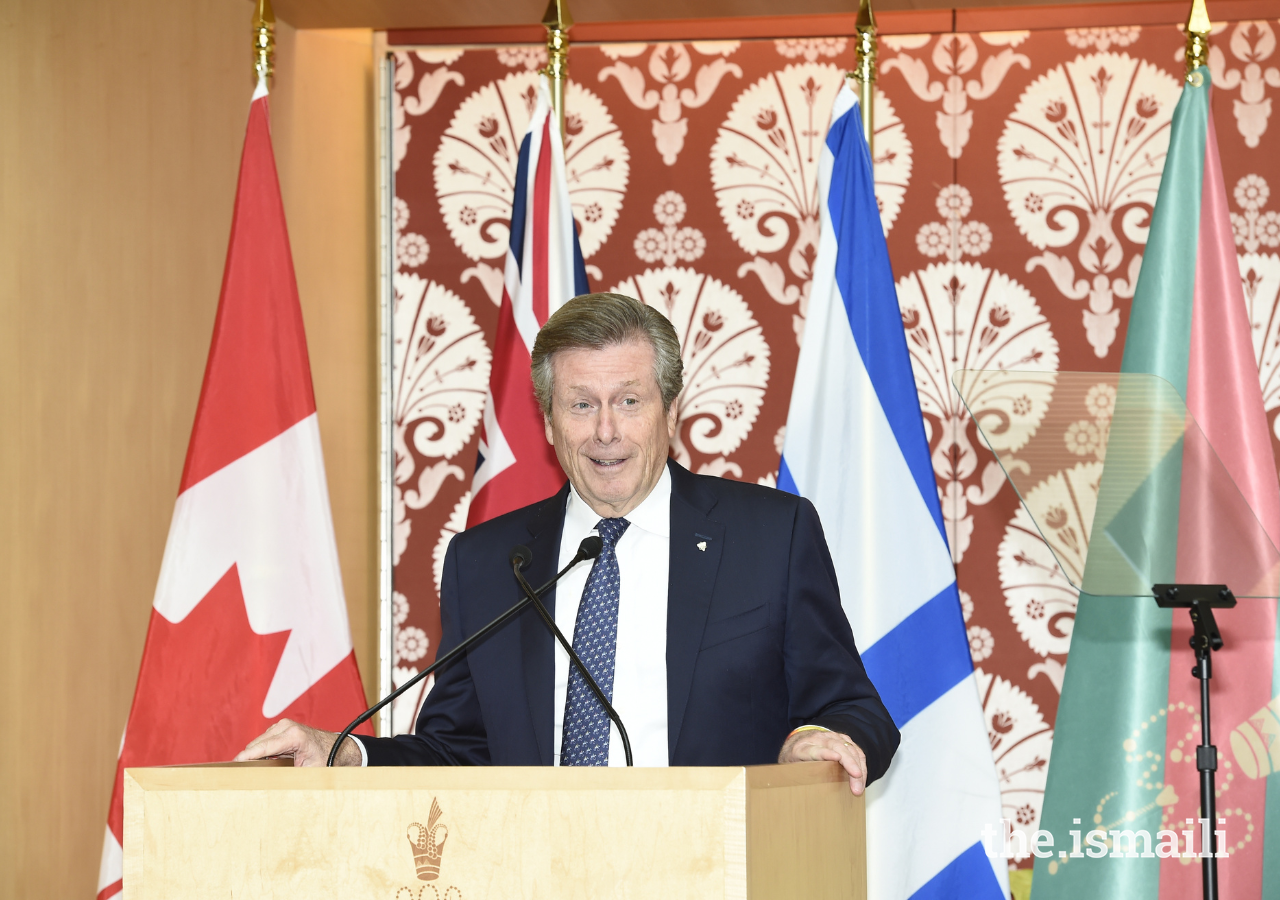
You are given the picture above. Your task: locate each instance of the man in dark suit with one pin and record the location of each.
(735, 579)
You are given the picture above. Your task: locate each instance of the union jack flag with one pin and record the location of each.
(544, 269)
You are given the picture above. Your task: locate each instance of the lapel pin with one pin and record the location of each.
(702, 545)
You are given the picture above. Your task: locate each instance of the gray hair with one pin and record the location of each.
(596, 321)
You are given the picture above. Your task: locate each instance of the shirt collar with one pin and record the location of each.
(652, 515)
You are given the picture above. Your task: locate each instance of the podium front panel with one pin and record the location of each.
(474, 833)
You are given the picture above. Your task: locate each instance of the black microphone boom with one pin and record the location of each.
(519, 561)
(588, 549)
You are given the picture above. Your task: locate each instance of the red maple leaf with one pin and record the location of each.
(202, 684)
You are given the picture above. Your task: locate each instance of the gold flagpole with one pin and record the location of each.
(865, 72)
(1198, 27)
(558, 21)
(264, 40)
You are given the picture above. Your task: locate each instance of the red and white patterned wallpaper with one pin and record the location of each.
(1015, 173)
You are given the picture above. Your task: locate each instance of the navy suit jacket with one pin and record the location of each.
(757, 643)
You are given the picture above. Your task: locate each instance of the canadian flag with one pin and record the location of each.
(249, 623)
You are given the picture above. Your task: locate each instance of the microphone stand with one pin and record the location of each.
(531, 595)
(457, 651)
(1200, 600)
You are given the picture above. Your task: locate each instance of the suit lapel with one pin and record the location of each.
(535, 641)
(696, 545)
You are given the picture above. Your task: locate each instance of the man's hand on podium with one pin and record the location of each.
(809, 746)
(306, 745)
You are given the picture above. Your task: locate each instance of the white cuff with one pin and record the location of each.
(364, 754)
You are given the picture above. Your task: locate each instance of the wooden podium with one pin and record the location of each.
(263, 831)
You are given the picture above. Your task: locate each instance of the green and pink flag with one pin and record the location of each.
(1128, 722)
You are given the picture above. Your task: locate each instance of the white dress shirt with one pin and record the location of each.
(640, 668)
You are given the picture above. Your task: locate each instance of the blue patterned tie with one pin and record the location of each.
(595, 637)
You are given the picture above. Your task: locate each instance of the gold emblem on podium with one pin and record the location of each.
(428, 843)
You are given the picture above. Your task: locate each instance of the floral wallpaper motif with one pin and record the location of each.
(1081, 155)
(1251, 46)
(1015, 173)
(953, 57)
(669, 66)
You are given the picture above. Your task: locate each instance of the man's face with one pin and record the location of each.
(608, 426)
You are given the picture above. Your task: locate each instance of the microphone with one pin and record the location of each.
(589, 549)
(521, 556)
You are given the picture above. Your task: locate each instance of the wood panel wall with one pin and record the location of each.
(323, 132)
(120, 132)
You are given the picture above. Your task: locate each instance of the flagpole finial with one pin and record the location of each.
(264, 40)
(558, 21)
(1198, 27)
(867, 47)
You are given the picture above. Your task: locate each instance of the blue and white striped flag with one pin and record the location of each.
(855, 446)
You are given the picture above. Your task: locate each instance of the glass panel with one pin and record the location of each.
(1120, 481)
